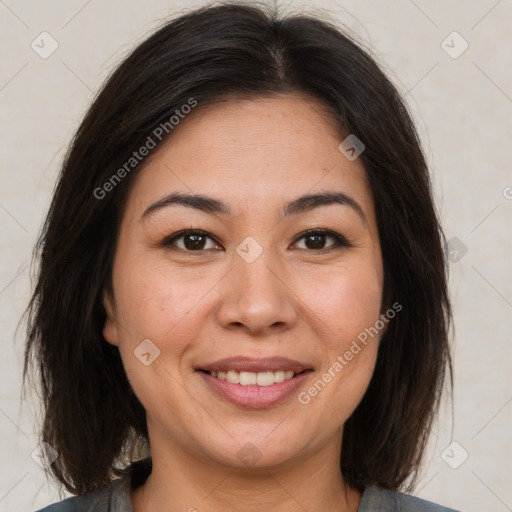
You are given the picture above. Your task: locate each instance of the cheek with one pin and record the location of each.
(347, 306)
(346, 300)
(157, 305)
(154, 300)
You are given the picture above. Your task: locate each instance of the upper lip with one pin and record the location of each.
(249, 364)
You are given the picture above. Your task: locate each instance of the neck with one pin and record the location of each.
(180, 481)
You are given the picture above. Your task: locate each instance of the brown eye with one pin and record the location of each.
(316, 240)
(191, 240)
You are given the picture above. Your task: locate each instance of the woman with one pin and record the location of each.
(242, 299)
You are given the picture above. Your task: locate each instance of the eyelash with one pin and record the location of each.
(340, 241)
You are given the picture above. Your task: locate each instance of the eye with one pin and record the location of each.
(315, 239)
(196, 240)
(191, 240)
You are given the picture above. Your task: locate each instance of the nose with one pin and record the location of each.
(257, 298)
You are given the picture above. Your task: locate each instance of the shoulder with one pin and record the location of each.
(105, 499)
(375, 499)
(111, 498)
(99, 501)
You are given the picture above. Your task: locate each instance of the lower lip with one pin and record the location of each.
(255, 397)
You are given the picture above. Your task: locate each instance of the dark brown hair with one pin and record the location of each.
(92, 417)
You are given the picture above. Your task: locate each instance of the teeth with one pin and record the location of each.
(251, 378)
(279, 376)
(233, 377)
(265, 378)
(248, 378)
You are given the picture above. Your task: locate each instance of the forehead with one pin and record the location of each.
(260, 149)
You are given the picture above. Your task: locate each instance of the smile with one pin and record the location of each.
(254, 390)
(252, 378)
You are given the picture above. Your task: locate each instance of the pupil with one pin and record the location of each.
(197, 241)
(319, 240)
(194, 241)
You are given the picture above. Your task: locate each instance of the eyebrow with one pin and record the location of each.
(211, 205)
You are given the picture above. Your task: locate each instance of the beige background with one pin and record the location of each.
(463, 107)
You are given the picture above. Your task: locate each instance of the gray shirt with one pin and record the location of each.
(116, 498)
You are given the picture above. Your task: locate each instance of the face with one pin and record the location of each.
(248, 283)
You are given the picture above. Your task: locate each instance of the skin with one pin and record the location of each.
(203, 305)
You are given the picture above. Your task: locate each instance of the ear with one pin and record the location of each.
(388, 315)
(386, 324)
(384, 308)
(110, 331)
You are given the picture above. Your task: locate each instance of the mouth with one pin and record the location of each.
(254, 383)
(245, 378)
